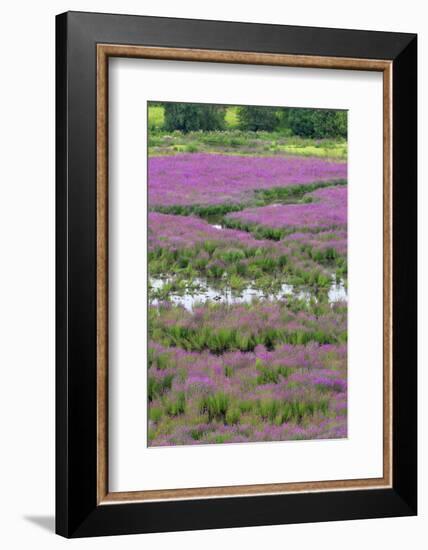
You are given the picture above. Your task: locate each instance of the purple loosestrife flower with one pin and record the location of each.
(196, 383)
(205, 179)
(177, 232)
(329, 211)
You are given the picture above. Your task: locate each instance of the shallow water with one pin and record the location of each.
(206, 293)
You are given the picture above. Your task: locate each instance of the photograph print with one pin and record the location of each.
(247, 274)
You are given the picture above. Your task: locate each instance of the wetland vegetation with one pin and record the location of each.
(247, 258)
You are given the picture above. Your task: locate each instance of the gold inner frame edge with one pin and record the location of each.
(104, 51)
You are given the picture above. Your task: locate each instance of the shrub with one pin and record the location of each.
(317, 123)
(155, 116)
(188, 117)
(258, 118)
(191, 148)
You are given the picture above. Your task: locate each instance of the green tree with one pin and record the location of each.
(317, 123)
(258, 118)
(189, 117)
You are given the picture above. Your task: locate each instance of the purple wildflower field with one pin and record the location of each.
(315, 378)
(247, 313)
(218, 179)
(177, 232)
(328, 211)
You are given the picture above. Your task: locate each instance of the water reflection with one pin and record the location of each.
(200, 292)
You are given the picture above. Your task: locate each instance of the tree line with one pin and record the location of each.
(309, 123)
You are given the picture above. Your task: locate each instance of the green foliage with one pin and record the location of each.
(244, 142)
(196, 434)
(267, 375)
(228, 371)
(231, 255)
(215, 270)
(231, 117)
(258, 118)
(216, 406)
(246, 406)
(188, 117)
(292, 193)
(155, 414)
(221, 438)
(268, 409)
(317, 123)
(236, 282)
(278, 412)
(233, 416)
(156, 116)
(177, 406)
(158, 387)
(208, 211)
(284, 371)
(191, 148)
(227, 339)
(325, 256)
(285, 195)
(161, 361)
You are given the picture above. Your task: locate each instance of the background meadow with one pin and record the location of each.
(247, 236)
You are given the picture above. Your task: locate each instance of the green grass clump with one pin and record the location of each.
(177, 406)
(267, 375)
(215, 406)
(196, 434)
(229, 339)
(156, 388)
(160, 361)
(271, 375)
(294, 192)
(236, 282)
(246, 406)
(228, 371)
(191, 148)
(221, 438)
(233, 416)
(208, 211)
(155, 414)
(268, 409)
(279, 412)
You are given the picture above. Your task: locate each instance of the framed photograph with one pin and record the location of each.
(236, 274)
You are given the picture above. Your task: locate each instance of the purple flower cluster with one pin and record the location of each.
(254, 318)
(329, 210)
(268, 370)
(320, 240)
(310, 380)
(176, 232)
(206, 179)
(187, 232)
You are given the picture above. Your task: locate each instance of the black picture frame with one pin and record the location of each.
(77, 511)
